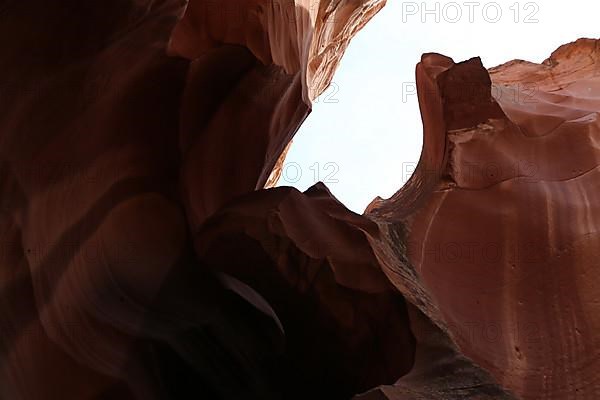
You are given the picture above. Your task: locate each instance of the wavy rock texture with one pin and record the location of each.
(142, 258)
(125, 125)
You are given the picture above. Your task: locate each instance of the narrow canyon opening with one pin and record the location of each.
(364, 136)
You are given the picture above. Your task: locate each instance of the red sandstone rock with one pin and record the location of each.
(142, 258)
(347, 328)
(106, 136)
(500, 217)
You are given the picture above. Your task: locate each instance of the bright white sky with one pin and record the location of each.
(363, 139)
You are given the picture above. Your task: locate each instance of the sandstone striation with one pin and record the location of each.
(142, 257)
(500, 216)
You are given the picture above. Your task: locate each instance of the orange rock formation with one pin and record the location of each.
(142, 257)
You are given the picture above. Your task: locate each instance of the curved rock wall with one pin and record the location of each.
(142, 258)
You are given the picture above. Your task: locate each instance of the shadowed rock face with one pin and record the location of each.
(142, 257)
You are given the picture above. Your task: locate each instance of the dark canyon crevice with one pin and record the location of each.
(144, 254)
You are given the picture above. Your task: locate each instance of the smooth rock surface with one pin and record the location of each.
(142, 257)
